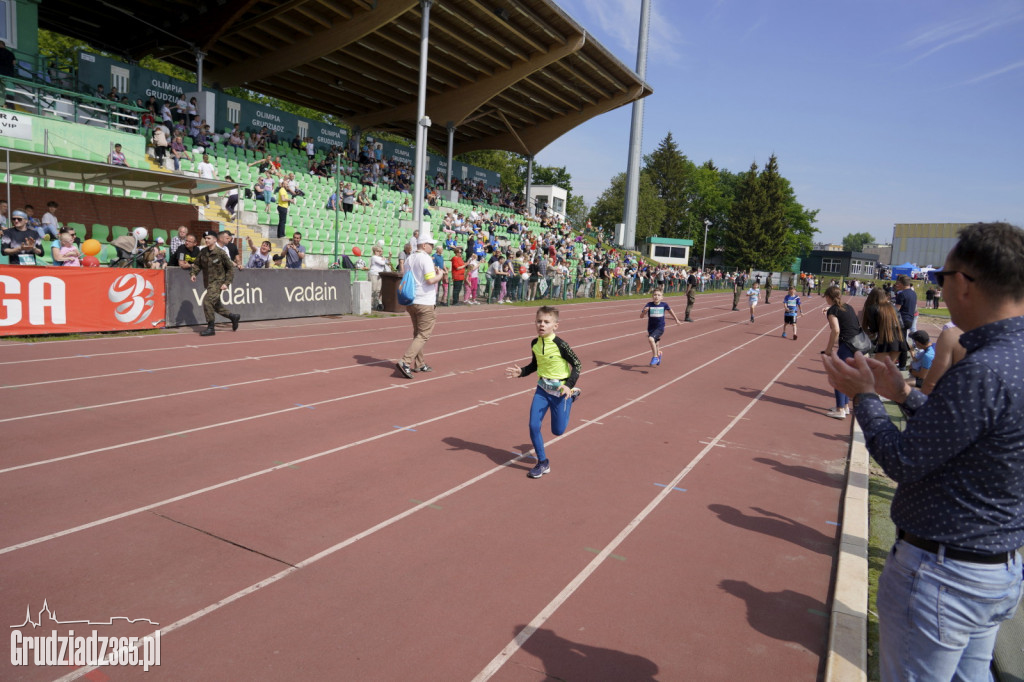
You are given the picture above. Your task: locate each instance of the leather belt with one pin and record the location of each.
(953, 553)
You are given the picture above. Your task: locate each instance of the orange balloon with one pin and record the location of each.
(91, 247)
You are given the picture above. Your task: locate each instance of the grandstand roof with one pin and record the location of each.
(59, 169)
(509, 75)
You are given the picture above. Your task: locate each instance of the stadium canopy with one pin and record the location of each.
(52, 170)
(510, 75)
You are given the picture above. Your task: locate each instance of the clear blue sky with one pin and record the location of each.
(880, 111)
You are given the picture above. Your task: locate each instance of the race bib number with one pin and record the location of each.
(656, 311)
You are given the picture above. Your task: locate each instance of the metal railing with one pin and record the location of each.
(73, 107)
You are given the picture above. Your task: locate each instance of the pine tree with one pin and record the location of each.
(745, 237)
(775, 252)
(671, 173)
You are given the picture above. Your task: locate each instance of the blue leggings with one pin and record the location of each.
(842, 352)
(560, 408)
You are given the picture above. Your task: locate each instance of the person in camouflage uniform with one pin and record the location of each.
(218, 271)
(738, 283)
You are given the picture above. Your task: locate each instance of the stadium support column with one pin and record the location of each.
(199, 70)
(529, 181)
(451, 148)
(636, 134)
(422, 122)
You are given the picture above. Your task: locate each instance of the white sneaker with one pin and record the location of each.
(836, 414)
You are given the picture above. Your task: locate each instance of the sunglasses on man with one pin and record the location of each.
(940, 276)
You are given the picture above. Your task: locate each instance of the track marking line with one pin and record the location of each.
(523, 636)
(254, 474)
(403, 385)
(512, 647)
(665, 485)
(121, 353)
(222, 361)
(597, 551)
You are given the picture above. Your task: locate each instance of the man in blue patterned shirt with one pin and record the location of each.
(954, 573)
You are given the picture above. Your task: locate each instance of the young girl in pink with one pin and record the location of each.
(472, 280)
(68, 251)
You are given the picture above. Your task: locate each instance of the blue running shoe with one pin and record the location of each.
(542, 468)
(656, 361)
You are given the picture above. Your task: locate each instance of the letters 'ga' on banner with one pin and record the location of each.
(64, 300)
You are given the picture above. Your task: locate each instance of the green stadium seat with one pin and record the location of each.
(100, 232)
(118, 231)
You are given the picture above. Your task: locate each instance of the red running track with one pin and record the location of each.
(284, 505)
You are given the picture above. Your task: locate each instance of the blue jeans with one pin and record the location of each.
(938, 618)
(842, 352)
(560, 408)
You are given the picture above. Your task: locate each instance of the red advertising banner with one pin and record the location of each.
(63, 300)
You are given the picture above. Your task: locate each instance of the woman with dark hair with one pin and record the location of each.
(881, 322)
(843, 326)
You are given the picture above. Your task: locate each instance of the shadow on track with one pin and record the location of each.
(753, 392)
(642, 369)
(787, 615)
(496, 455)
(565, 659)
(804, 473)
(777, 525)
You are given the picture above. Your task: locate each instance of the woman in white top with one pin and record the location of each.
(377, 266)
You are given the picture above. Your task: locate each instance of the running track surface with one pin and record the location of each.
(286, 506)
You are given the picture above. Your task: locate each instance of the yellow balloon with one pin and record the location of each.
(91, 247)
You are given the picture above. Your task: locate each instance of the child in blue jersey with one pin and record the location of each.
(753, 294)
(655, 310)
(790, 309)
(558, 370)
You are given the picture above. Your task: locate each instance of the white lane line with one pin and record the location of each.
(390, 432)
(512, 647)
(266, 582)
(252, 381)
(399, 322)
(261, 357)
(291, 408)
(263, 380)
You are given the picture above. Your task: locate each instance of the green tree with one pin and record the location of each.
(855, 241)
(576, 210)
(607, 210)
(553, 175)
(62, 51)
(745, 238)
(511, 167)
(712, 199)
(775, 244)
(672, 175)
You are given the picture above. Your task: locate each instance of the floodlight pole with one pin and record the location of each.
(707, 224)
(422, 122)
(636, 133)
